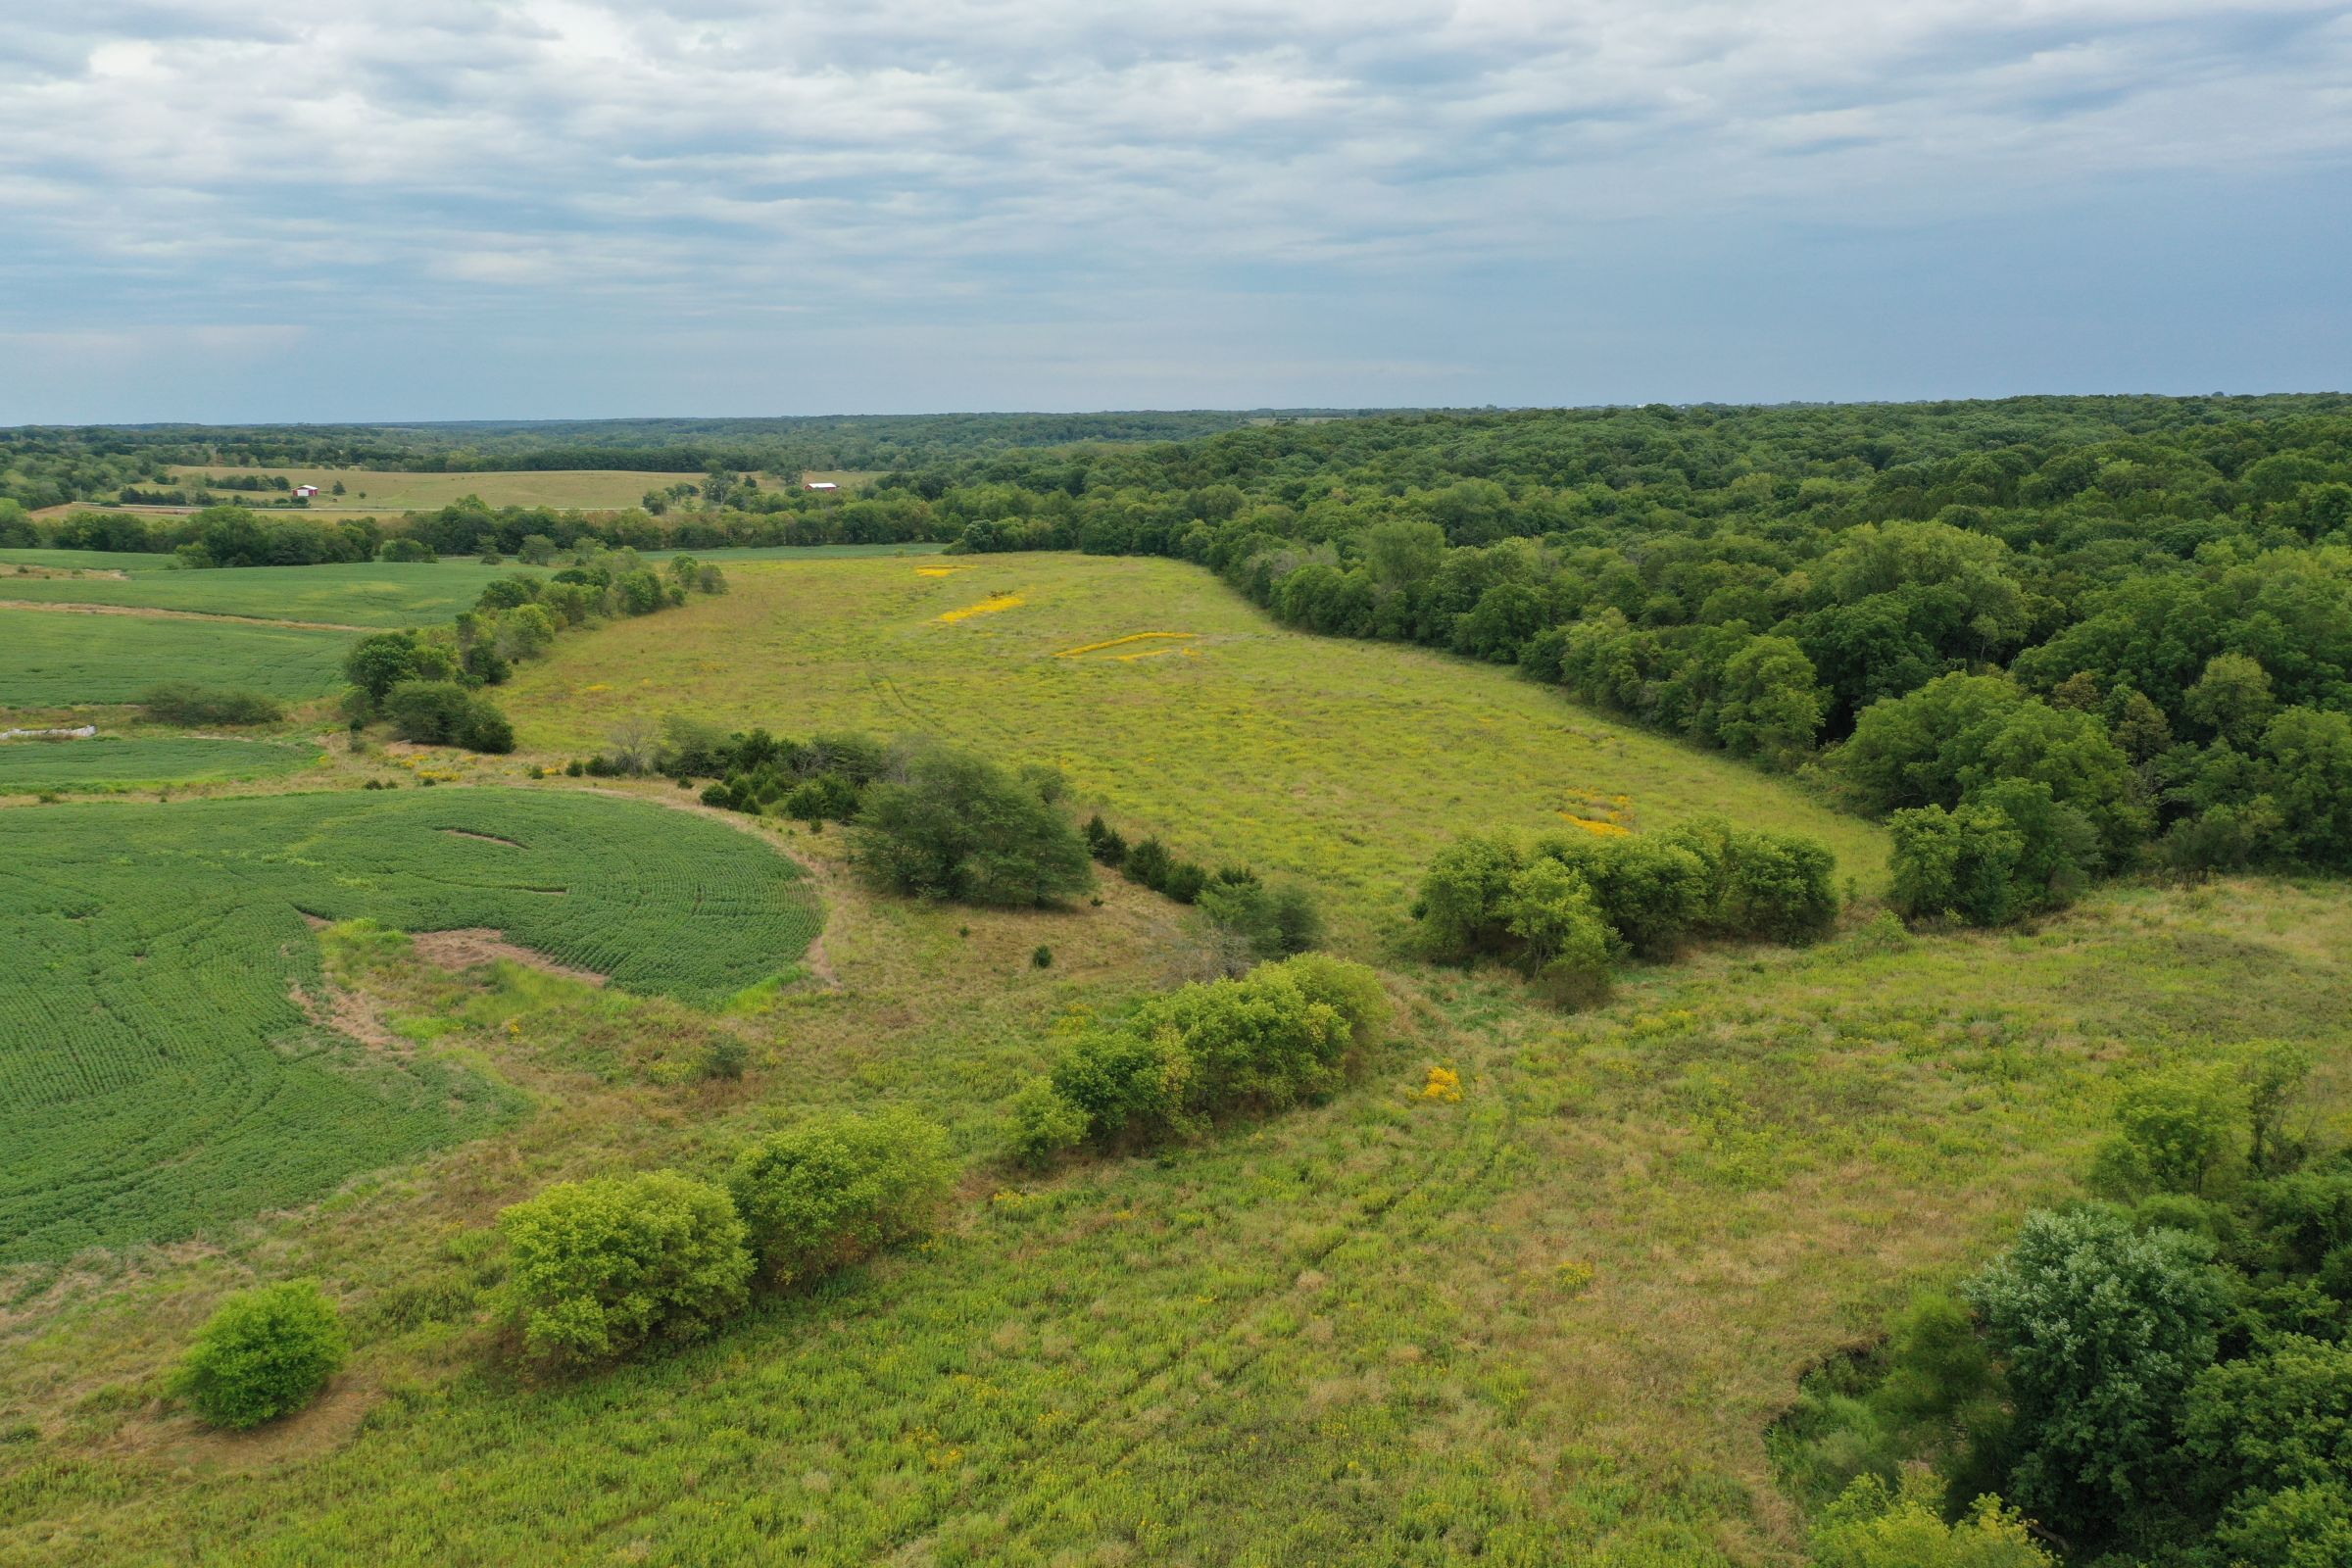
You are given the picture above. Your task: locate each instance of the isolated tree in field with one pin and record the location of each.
(602, 1268)
(377, 663)
(1462, 894)
(956, 826)
(267, 1351)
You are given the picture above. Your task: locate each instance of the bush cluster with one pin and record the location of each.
(1566, 908)
(2165, 1375)
(1270, 921)
(429, 683)
(602, 1268)
(1284, 1033)
(186, 704)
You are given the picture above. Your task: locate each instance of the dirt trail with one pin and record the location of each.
(154, 613)
(468, 946)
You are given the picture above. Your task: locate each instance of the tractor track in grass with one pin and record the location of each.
(156, 612)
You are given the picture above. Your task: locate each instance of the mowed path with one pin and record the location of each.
(152, 613)
(1345, 763)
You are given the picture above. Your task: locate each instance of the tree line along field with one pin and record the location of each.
(124, 763)
(59, 657)
(1173, 703)
(164, 1062)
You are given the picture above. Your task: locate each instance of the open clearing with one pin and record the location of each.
(122, 762)
(381, 490)
(60, 660)
(1348, 762)
(162, 1065)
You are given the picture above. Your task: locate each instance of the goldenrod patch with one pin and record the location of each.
(986, 607)
(1120, 642)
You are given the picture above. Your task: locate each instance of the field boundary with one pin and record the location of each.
(157, 612)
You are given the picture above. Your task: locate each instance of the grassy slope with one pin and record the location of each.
(58, 657)
(1345, 761)
(1546, 1324)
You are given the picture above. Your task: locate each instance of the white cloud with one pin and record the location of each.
(697, 156)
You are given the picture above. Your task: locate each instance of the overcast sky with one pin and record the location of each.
(445, 209)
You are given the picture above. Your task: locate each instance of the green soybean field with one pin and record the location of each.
(144, 762)
(380, 594)
(55, 658)
(163, 1066)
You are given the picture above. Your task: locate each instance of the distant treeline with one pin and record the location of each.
(54, 465)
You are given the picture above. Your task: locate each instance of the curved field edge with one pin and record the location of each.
(164, 1065)
(1348, 762)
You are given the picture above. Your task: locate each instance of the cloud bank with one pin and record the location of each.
(421, 207)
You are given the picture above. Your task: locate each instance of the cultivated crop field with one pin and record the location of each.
(122, 762)
(1169, 698)
(166, 1059)
(373, 594)
(57, 657)
(381, 490)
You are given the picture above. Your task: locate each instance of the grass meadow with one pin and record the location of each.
(1347, 762)
(1548, 1323)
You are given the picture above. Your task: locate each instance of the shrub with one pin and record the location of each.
(405, 549)
(1046, 1124)
(1652, 892)
(601, 1267)
(1275, 921)
(724, 1059)
(1462, 893)
(1183, 881)
(960, 827)
(1870, 1526)
(1148, 863)
(1284, 1033)
(438, 713)
(184, 702)
(1042, 959)
(265, 1353)
(2006, 851)
(837, 1187)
